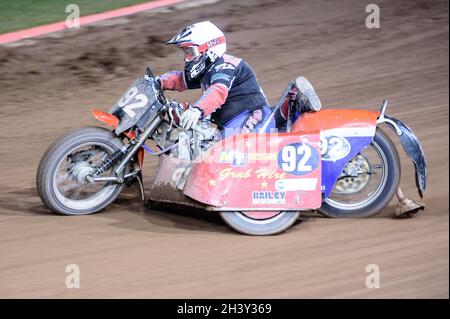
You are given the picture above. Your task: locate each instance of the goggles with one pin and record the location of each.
(189, 53)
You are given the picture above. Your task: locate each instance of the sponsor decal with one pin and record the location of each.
(221, 76)
(224, 66)
(262, 156)
(298, 158)
(232, 157)
(261, 173)
(334, 148)
(296, 184)
(268, 197)
(268, 173)
(213, 42)
(230, 173)
(236, 158)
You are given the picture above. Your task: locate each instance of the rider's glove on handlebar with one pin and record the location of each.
(190, 117)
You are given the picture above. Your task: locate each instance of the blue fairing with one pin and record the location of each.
(331, 170)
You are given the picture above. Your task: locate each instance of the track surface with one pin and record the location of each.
(49, 84)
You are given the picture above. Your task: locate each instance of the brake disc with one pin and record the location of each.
(355, 177)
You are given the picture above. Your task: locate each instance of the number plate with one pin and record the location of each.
(139, 99)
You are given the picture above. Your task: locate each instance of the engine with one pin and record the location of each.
(189, 144)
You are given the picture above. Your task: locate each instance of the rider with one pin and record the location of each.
(231, 92)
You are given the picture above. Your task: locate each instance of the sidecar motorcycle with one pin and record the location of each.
(338, 162)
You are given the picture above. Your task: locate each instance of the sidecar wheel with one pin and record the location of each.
(352, 200)
(268, 224)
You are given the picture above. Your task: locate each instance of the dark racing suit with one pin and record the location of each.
(231, 94)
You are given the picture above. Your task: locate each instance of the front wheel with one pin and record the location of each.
(368, 182)
(74, 155)
(259, 223)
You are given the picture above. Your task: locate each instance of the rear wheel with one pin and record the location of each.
(260, 223)
(368, 182)
(60, 181)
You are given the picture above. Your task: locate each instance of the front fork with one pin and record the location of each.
(414, 150)
(135, 149)
(128, 179)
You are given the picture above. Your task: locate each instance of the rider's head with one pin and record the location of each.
(201, 43)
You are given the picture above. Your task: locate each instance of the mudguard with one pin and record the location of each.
(411, 145)
(105, 117)
(413, 149)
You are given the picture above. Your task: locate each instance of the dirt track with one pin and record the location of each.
(127, 251)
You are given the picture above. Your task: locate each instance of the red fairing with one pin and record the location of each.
(213, 98)
(173, 80)
(271, 172)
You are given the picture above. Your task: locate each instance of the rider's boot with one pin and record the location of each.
(308, 97)
(406, 207)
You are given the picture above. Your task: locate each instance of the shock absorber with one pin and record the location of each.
(112, 159)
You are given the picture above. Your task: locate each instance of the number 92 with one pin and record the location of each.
(297, 158)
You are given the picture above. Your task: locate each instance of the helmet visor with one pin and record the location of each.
(190, 53)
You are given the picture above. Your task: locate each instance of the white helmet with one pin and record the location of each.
(202, 43)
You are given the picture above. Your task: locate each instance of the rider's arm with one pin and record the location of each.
(173, 80)
(217, 93)
(176, 81)
(212, 98)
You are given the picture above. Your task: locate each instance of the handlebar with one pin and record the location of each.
(149, 72)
